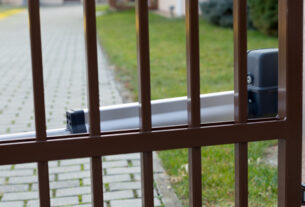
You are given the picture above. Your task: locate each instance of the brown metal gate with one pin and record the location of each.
(287, 127)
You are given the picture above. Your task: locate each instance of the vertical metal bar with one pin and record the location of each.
(193, 104)
(93, 98)
(241, 174)
(290, 101)
(240, 100)
(142, 27)
(39, 102)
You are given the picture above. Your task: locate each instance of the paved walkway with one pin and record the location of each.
(65, 88)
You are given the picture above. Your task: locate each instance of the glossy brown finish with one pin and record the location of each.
(287, 127)
(56, 149)
(195, 180)
(147, 179)
(193, 63)
(93, 98)
(240, 100)
(290, 101)
(193, 101)
(38, 92)
(142, 29)
(241, 174)
(240, 61)
(37, 70)
(43, 183)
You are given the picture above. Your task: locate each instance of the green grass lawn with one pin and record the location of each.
(168, 79)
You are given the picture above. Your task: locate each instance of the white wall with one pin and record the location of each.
(179, 5)
(51, 2)
(13, 2)
(164, 5)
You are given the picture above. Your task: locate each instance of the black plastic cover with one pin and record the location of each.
(262, 83)
(76, 121)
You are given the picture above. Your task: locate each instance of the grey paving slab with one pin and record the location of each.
(123, 157)
(10, 173)
(64, 69)
(65, 88)
(63, 169)
(131, 202)
(110, 164)
(23, 179)
(4, 189)
(59, 185)
(74, 175)
(74, 162)
(119, 170)
(124, 186)
(73, 191)
(12, 204)
(64, 201)
(20, 196)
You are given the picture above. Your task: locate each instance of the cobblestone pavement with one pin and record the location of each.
(65, 88)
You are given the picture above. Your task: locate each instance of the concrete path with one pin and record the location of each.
(65, 88)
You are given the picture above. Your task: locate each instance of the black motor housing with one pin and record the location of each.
(262, 83)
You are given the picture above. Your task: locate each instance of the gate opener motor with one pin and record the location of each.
(262, 82)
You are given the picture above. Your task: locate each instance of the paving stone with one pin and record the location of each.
(127, 170)
(62, 169)
(19, 196)
(74, 161)
(11, 173)
(5, 167)
(131, 202)
(2, 180)
(110, 164)
(116, 178)
(23, 179)
(116, 195)
(12, 204)
(63, 47)
(53, 163)
(135, 163)
(27, 179)
(26, 166)
(73, 191)
(13, 188)
(74, 175)
(124, 186)
(123, 157)
(60, 184)
(64, 201)
(32, 203)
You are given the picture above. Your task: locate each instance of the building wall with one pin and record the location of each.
(179, 6)
(164, 5)
(13, 2)
(23, 2)
(51, 2)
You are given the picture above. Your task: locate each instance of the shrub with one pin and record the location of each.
(218, 12)
(264, 15)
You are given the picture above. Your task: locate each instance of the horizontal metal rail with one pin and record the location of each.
(218, 107)
(121, 142)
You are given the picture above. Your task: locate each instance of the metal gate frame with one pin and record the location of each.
(286, 128)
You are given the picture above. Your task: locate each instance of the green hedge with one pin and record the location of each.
(264, 15)
(218, 12)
